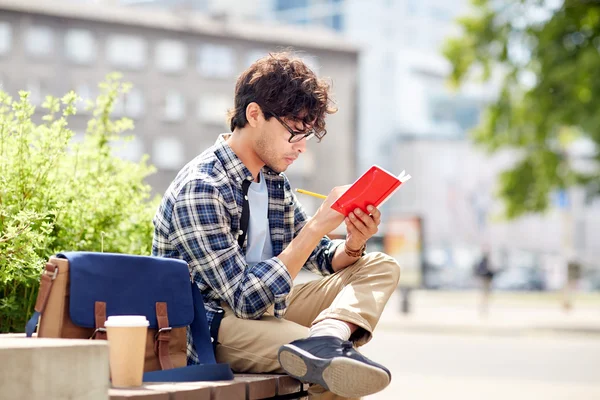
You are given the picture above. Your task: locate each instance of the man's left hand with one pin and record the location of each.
(361, 226)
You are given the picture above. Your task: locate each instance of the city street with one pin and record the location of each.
(464, 366)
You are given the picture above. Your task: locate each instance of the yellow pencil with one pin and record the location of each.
(320, 196)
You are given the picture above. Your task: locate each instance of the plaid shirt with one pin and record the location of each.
(199, 221)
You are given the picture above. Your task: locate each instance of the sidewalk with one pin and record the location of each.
(509, 314)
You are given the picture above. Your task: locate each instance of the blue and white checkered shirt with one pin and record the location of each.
(199, 221)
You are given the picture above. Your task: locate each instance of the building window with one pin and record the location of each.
(39, 41)
(337, 22)
(216, 61)
(126, 51)
(413, 7)
(282, 5)
(170, 56)
(130, 149)
(134, 103)
(119, 106)
(174, 106)
(37, 91)
(168, 153)
(86, 96)
(456, 114)
(80, 46)
(5, 37)
(212, 109)
(130, 104)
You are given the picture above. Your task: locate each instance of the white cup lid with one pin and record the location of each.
(126, 320)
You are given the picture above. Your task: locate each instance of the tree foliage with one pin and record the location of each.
(57, 194)
(548, 55)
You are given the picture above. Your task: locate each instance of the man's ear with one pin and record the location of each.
(254, 114)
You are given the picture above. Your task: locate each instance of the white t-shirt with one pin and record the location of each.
(259, 235)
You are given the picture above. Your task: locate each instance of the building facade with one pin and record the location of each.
(183, 68)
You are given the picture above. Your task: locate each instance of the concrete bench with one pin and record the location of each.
(70, 368)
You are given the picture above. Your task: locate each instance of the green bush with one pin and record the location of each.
(60, 195)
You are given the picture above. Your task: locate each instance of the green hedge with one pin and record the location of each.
(60, 195)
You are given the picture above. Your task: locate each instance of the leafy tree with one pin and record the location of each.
(59, 195)
(548, 54)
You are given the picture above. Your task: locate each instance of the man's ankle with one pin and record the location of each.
(331, 327)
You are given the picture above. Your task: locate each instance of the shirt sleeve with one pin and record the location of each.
(320, 259)
(201, 231)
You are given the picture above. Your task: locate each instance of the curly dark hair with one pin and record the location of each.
(281, 84)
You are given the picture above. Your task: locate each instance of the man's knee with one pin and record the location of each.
(385, 265)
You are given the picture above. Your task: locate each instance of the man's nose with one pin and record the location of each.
(300, 146)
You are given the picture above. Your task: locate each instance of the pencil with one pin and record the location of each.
(320, 196)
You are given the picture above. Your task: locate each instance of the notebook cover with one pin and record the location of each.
(373, 187)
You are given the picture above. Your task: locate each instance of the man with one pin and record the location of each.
(485, 273)
(246, 274)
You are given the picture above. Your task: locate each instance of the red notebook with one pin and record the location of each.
(374, 187)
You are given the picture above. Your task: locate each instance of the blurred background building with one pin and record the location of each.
(183, 67)
(395, 110)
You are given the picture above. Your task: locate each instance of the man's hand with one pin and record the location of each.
(361, 226)
(326, 218)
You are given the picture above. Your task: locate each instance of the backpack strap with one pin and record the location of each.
(100, 319)
(208, 370)
(163, 336)
(48, 276)
(245, 218)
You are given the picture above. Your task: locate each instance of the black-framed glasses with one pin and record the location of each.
(297, 136)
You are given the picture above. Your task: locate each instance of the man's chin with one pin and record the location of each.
(278, 169)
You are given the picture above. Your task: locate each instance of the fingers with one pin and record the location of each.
(335, 194)
(375, 213)
(365, 224)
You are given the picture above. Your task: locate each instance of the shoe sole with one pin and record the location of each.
(343, 376)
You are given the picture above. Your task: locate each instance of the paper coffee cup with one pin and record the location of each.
(127, 346)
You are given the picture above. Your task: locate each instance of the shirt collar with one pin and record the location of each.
(233, 165)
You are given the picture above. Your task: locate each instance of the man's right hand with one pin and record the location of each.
(326, 219)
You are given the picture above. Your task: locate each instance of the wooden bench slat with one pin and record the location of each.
(288, 385)
(259, 386)
(137, 393)
(225, 390)
(184, 390)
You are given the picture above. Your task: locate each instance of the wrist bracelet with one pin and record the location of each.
(354, 253)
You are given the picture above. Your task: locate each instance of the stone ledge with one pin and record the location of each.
(53, 369)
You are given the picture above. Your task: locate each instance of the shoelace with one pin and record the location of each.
(347, 345)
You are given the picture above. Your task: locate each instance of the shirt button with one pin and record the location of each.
(245, 197)
(240, 232)
(212, 339)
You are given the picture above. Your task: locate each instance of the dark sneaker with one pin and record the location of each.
(334, 364)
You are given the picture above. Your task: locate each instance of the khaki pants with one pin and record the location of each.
(356, 294)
